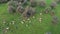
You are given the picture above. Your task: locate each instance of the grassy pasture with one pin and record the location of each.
(33, 27)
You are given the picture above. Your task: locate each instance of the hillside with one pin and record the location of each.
(30, 26)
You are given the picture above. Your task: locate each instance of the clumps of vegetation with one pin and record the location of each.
(52, 13)
(42, 3)
(20, 9)
(33, 3)
(24, 1)
(54, 19)
(58, 1)
(17, 5)
(47, 10)
(11, 9)
(29, 11)
(53, 5)
(3, 1)
(12, 5)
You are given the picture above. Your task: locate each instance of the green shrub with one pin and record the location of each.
(20, 9)
(42, 3)
(53, 5)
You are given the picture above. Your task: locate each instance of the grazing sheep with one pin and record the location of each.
(29, 11)
(53, 5)
(42, 4)
(20, 9)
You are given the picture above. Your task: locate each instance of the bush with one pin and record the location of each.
(11, 9)
(47, 10)
(42, 3)
(12, 5)
(53, 5)
(17, 0)
(20, 9)
(33, 3)
(55, 20)
(3, 1)
(58, 1)
(52, 13)
(29, 11)
(24, 2)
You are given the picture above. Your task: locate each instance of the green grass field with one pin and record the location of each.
(34, 27)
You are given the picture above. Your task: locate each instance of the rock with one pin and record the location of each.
(28, 19)
(7, 28)
(33, 16)
(40, 13)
